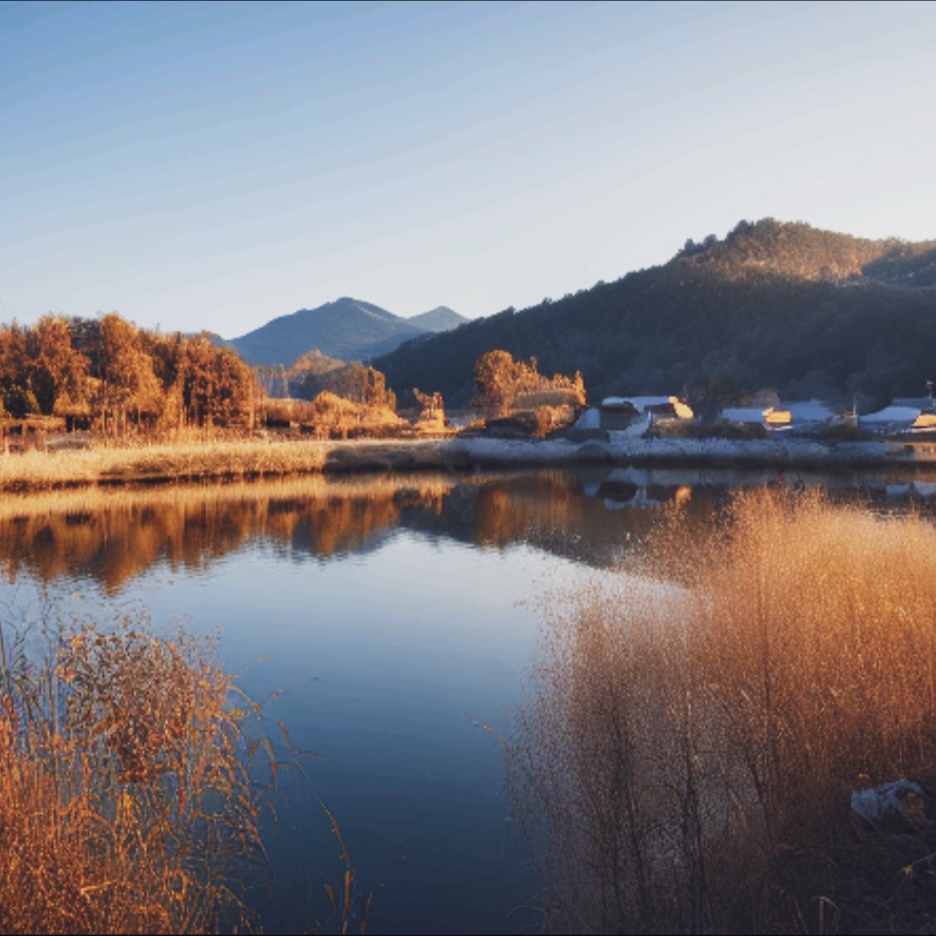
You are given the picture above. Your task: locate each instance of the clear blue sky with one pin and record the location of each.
(215, 165)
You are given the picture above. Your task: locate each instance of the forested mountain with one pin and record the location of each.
(347, 329)
(805, 311)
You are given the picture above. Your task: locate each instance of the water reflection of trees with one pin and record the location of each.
(115, 535)
(118, 534)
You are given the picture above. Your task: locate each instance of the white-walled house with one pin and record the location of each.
(589, 419)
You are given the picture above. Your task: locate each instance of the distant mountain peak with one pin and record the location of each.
(439, 319)
(346, 329)
(349, 302)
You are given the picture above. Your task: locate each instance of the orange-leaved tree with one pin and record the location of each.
(500, 382)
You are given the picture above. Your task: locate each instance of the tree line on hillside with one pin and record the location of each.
(807, 312)
(109, 374)
(803, 252)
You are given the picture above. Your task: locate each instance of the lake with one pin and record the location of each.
(388, 623)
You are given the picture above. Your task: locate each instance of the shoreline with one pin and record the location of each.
(249, 460)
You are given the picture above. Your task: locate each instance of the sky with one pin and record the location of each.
(217, 165)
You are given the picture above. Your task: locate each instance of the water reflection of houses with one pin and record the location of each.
(912, 491)
(633, 487)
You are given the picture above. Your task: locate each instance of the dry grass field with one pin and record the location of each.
(38, 470)
(688, 757)
(59, 463)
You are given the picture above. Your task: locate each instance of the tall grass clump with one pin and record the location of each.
(688, 756)
(125, 801)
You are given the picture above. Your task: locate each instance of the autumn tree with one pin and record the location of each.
(167, 357)
(58, 371)
(128, 383)
(495, 383)
(432, 406)
(18, 399)
(353, 382)
(232, 403)
(217, 387)
(122, 376)
(500, 381)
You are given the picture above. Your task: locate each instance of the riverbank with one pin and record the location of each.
(253, 459)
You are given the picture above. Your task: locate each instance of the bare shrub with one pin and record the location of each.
(687, 760)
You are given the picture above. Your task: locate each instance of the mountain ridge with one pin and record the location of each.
(780, 304)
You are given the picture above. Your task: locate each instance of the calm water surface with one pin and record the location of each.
(395, 619)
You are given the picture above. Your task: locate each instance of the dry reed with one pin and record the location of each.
(687, 760)
(125, 801)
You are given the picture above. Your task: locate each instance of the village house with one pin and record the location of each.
(616, 413)
(894, 418)
(781, 415)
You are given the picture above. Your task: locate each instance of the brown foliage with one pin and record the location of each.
(431, 418)
(128, 380)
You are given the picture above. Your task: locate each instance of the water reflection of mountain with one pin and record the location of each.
(592, 518)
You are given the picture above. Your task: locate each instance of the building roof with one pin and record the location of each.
(892, 414)
(923, 402)
(809, 411)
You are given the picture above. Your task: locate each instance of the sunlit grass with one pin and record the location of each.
(687, 760)
(219, 459)
(249, 458)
